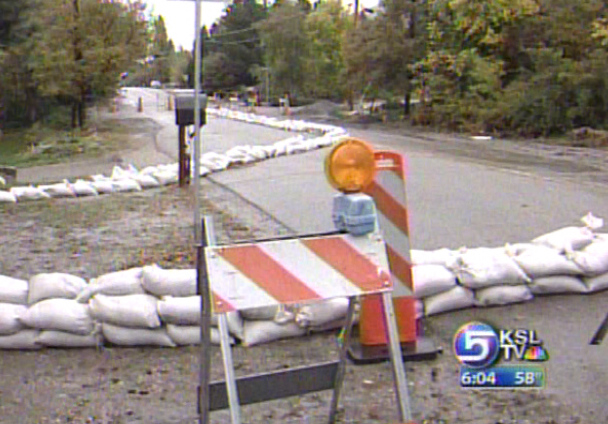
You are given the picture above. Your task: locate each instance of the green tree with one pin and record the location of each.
(285, 41)
(325, 27)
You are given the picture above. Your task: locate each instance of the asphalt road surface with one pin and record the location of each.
(474, 194)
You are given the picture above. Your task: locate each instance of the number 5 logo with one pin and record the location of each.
(473, 338)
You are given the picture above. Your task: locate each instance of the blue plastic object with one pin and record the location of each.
(354, 213)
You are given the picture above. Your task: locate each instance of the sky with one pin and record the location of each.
(179, 16)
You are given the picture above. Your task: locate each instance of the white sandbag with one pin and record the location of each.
(23, 340)
(166, 177)
(120, 283)
(258, 332)
(518, 248)
(270, 151)
(432, 279)
(598, 283)
(419, 308)
(103, 186)
(149, 170)
(258, 153)
(125, 185)
(47, 286)
(99, 177)
(84, 188)
(7, 197)
(236, 325)
(593, 259)
(557, 284)
(123, 336)
(169, 282)
(502, 295)
(13, 290)
(571, 238)
(180, 310)
(457, 298)
(119, 173)
(135, 310)
(319, 313)
(542, 261)
(51, 338)
(29, 193)
(146, 181)
(59, 314)
(484, 267)
(184, 335)
(58, 190)
(10, 318)
(215, 161)
(433, 257)
(600, 236)
(264, 313)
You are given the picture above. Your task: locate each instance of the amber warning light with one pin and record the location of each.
(350, 167)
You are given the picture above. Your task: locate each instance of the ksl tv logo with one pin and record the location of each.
(479, 345)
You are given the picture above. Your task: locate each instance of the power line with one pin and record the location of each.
(239, 31)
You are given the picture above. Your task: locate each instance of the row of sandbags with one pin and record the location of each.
(131, 179)
(568, 260)
(147, 306)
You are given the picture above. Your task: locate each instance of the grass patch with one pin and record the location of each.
(46, 145)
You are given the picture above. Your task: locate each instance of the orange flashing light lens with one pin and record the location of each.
(350, 166)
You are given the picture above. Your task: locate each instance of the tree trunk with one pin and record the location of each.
(406, 102)
(74, 114)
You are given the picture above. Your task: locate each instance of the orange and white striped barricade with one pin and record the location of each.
(287, 271)
(389, 193)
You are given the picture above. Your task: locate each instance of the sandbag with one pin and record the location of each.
(419, 308)
(166, 177)
(10, 318)
(83, 188)
(13, 290)
(557, 284)
(432, 279)
(180, 310)
(593, 259)
(319, 313)
(123, 336)
(484, 267)
(433, 257)
(169, 282)
(566, 239)
(120, 283)
(456, 298)
(263, 313)
(518, 248)
(23, 340)
(7, 197)
(29, 193)
(59, 314)
(136, 310)
(184, 335)
(51, 285)
(235, 324)
(125, 185)
(51, 338)
(258, 332)
(502, 295)
(598, 283)
(542, 261)
(103, 186)
(58, 190)
(146, 181)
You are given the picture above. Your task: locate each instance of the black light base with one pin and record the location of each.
(422, 349)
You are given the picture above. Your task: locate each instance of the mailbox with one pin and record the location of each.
(184, 109)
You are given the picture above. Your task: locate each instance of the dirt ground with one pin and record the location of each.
(88, 237)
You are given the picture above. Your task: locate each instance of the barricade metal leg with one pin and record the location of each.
(231, 389)
(403, 402)
(339, 382)
(207, 237)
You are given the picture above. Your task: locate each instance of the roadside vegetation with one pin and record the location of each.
(525, 68)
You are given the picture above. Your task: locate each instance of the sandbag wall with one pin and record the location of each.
(131, 179)
(147, 306)
(572, 260)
